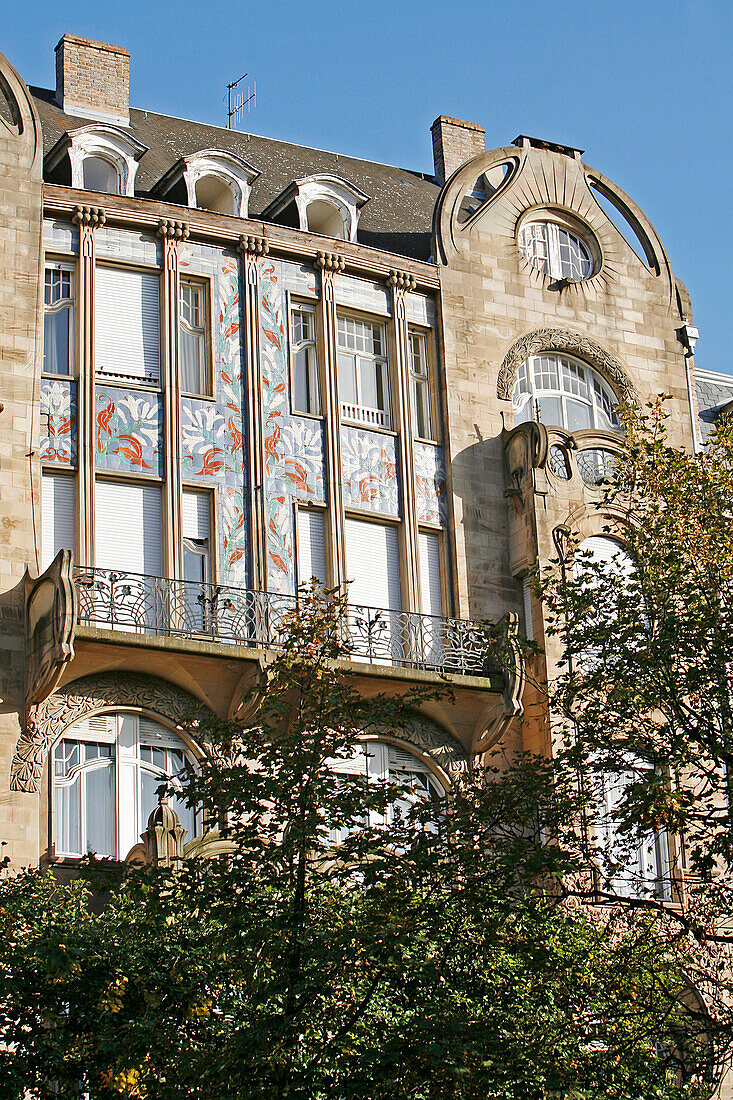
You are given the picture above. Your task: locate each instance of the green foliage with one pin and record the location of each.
(429, 954)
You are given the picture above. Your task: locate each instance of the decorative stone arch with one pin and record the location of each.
(432, 742)
(84, 697)
(574, 343)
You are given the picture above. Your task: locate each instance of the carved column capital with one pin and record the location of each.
(92, 216)
(401, 280)
(330, 261)
(172, 230)
(253, 246)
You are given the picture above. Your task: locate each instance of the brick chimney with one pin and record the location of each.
(93, 80)
(454, 142)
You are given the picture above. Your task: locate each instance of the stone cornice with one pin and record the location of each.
(283, 241)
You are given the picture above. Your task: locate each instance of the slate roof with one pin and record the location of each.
(397, 218)
(713, 392)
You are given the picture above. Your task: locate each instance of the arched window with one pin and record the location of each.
(326, 218)
(215, 194)
(379, 762)
(106, 772)
(560, 390)
(101, 175)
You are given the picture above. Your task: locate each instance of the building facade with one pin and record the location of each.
(230, 364)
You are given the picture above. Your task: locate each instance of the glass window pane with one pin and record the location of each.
(56, 342)
(347, 379)
(578, 415)
(101, 175)
(100, 810)
(67, 812)
(370, 386)
(192, 347)
(550, 410)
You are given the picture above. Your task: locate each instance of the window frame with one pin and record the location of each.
(94, 154)
(206, 285)
(321, 508)
(126, 803)
(387, 414)
(311, 306)
(52, 264)
(428, 337)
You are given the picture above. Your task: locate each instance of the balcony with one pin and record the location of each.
(143, 604)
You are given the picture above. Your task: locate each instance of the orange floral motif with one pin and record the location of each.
(132, 451)
(104, 417)
(212, 462)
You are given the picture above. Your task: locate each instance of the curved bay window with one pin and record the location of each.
(106, 773)
(556, 389)
(377, 762)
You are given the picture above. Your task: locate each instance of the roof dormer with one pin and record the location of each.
(100, 157)
(210, 180)
(322, 203)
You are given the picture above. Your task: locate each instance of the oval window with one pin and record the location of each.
(556, 249)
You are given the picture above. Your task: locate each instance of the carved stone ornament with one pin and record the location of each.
(172, 230)
(427, 736)
(81, 698)
(253, 246)
(92, 216)
(574, 343)
(330, 261)
(401, 280)
(161, 845)
(511, 707)
(50, 622)
(525, 450)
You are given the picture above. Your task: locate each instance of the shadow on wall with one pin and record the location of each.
(482, 530)
(12, 649)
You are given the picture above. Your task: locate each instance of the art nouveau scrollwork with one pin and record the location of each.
(50, 621)
(525, 450)
(80, 698)
(574, 343)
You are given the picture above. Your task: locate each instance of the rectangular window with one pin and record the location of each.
(373, 572)
(128, 527)
(311, 546)
(193, 337)
(432, 626)
(196, 527)
(58, 515)
(127, 324)
(59, 333)
(304, 359)
(640, 863)
(420, 385)
(363, 373)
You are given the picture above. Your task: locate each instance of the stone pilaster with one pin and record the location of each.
(250, 249)
(171, 233)
(88, 219)
(399, 283)
(329, 264)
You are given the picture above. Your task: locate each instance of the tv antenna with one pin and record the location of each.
(240, 100)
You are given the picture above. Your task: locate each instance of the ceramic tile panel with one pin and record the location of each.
(362, 294)
(60, 236)
(59, 421)
(369, 471)
(298, 278)
(430, 483)
(420, 309)
(127, 246)
(301, 468)
(129, 431)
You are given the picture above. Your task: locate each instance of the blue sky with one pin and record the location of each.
(644, 87)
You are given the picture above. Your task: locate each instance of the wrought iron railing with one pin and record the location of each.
(238, 616)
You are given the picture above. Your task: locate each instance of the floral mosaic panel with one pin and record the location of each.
(369, 471)
(430, 483)
(129, 431)
(59, 421)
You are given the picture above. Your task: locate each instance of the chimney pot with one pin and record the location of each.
(93, 80)
(455, 142)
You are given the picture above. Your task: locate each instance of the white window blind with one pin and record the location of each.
(196, 515)
(432, 603)
(373, 564)
(127, 323)
(129, 527)
(57, 516)
(311, 546)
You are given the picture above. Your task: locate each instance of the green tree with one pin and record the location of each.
(350, 940)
